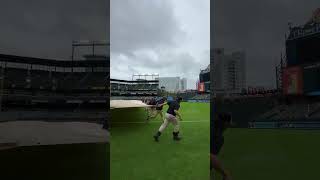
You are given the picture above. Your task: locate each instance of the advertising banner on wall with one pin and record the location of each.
(201, 87)
(292, 81)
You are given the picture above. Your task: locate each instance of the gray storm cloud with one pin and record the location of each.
(259, 28)
(147, 24)
(152, 37)
(45, 29)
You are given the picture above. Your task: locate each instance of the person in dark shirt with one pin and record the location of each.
(171, 117)
(159, 103)
(221, 122)
(152, 101)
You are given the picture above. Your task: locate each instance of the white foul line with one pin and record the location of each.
(143, 122)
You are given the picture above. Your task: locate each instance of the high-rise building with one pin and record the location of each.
(229, 72)
(172, 84)
(183, 84)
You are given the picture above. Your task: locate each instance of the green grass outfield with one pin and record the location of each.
(135, 155)
(263, 154)
(56, 162)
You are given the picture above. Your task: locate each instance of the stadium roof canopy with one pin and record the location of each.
(52, 62)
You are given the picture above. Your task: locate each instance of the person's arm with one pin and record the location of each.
(217, 165)
(165, 103)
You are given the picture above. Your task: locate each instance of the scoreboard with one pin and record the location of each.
(303, 49)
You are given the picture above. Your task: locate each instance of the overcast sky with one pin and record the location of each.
(258, 28)
(169, 37)
(46, 28)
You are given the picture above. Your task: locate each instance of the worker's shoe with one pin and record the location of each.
(176, 136)
(156, 136)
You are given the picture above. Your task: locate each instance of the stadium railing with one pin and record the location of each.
(285, 125)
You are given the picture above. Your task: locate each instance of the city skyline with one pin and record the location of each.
(173, 84)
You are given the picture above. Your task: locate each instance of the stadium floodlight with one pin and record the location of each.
(88, 43)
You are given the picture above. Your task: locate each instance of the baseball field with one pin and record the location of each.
(263, 154)
(135, 155)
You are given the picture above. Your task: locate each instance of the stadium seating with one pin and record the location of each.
(244, 110)
(133, 88)
(15, 78)
(44, 80)
(292, 112)
(22, 87)
(67, 115)
(201, 97)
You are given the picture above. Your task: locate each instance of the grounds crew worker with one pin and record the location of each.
(221, 122)
(171, 117)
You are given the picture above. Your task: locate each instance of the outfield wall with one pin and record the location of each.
(286, 125)
(203, 101)
(243, 111)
